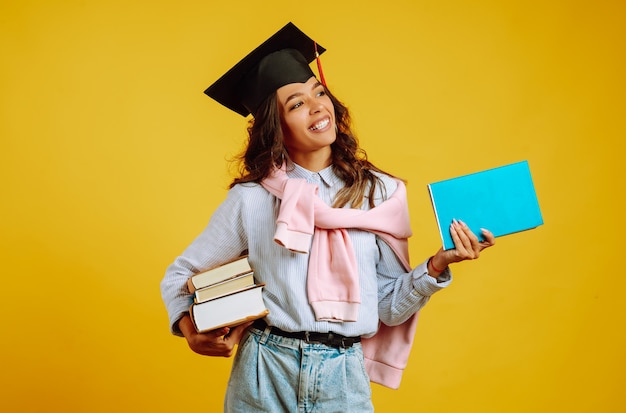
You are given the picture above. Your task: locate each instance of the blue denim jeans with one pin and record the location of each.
(275, 374)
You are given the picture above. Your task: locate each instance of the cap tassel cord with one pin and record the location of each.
(319, 65)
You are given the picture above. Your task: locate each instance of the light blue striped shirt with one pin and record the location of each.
(246, 221)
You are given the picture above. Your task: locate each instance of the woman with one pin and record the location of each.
(308, 353)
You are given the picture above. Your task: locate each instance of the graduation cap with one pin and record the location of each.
(282, 59)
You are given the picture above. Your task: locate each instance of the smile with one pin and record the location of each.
(320, 125)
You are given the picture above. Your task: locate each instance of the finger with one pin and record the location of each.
(240, 329)
(458, 244)
(464, 240)
(490, 239)
(218, 332)
(472, 244)
(236, 333)
(475, 245)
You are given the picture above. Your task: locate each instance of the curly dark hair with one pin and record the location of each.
(266, 150)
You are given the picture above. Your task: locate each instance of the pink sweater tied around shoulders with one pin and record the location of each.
(333, 279)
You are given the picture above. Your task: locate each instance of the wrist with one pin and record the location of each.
(185, 325)
(437, 268)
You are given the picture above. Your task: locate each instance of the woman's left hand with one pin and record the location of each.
(467, 246)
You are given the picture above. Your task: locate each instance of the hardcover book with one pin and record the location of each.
(225, 287)
(229, 310)
(502, 200)
(220, 273)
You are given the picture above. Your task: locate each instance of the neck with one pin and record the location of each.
(312, 161)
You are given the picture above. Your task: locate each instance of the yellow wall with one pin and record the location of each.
(112, 160)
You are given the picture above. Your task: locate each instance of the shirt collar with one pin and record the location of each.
(326, 175)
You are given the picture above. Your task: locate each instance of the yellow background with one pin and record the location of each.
(112, 160)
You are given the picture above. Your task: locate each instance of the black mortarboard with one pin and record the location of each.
(282, 59)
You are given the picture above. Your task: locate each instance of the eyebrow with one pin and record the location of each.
(295, 95)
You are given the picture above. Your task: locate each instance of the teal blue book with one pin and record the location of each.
(502, 200)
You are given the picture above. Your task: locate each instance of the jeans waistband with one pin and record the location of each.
(330, 339)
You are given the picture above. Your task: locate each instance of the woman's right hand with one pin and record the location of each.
(218, 343)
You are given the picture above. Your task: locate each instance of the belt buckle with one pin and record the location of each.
(337, 341)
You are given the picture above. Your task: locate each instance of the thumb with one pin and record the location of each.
(236, 333)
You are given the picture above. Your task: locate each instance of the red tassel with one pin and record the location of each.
(319, 65)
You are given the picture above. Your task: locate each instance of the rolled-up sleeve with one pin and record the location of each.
(402, 294)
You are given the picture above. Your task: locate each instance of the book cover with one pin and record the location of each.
(502, 200)
(229, 269)
(223, 288)
(229, 310)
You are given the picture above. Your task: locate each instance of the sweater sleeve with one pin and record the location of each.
(295, 225)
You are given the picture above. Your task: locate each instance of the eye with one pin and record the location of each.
(321, 92)
(296, 106)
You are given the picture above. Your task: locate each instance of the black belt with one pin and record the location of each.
(329, 339)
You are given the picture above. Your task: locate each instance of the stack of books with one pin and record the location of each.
(226, 296)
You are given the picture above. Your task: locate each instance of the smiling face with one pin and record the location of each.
(308, 121)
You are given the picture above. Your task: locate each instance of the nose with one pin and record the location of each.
(316, 107)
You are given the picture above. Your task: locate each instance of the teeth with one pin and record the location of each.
(319, 125)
